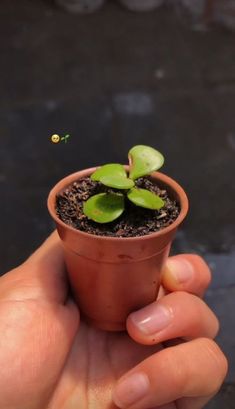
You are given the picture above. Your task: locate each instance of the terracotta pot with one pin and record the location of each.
(112, 276)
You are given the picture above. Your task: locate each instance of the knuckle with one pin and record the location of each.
(218, 361)
(205, 276)
(217, 325)
(189, 305)
(202, 269)
(187, 300)
(173, 361)
(204, 318)
(195, 309)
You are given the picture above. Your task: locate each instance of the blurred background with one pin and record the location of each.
(113, 79)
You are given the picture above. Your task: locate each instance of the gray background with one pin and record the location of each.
(111, 80)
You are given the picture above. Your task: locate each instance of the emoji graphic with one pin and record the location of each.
(64, 138)
(55, 138)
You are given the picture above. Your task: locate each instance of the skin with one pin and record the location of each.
(49, 359)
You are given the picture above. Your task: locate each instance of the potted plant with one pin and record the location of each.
(116, 223)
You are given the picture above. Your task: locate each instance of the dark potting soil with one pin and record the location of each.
(135, 220)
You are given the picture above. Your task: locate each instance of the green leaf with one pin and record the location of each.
(118, 182)
(145, 198)
(104, 207)
(143, 161)
(107, 170)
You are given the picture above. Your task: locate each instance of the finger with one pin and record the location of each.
(186, 272)
(177, 315)
(42, 275)
(193, 369)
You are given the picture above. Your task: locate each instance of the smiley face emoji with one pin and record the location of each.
(55, 138)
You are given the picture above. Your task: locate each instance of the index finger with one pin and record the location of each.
(186, 272)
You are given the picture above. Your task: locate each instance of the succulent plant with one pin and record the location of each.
(106, 207)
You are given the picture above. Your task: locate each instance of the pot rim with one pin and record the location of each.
(69, 179)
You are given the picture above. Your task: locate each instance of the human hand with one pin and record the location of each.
(51, 360)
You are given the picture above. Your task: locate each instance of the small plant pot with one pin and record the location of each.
(80, 6)
(112, 276)
(141, 5)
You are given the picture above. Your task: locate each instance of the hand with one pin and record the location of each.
(51, 360)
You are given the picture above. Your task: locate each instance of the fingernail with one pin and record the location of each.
(131, 390)
(181, 269)
(152, 319)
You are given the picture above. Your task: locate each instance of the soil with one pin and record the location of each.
(135, 221)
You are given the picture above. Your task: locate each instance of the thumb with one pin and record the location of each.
(41, 276)
(186, 272)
